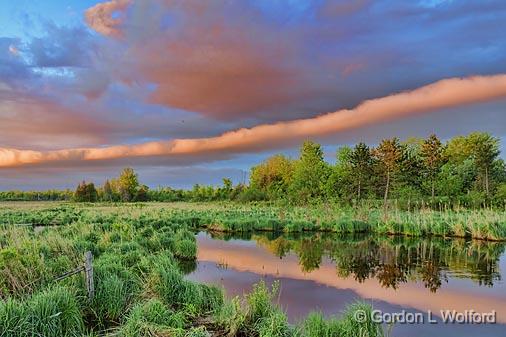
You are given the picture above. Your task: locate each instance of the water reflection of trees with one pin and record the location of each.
(392, 260)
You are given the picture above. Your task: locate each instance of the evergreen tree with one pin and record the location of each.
(389, 155)
(108, 192)
(361, 162)
(85, 192)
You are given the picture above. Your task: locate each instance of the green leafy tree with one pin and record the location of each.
(340, 181)
(485, 149)
(389, 154)
(310, 173)
(409, 177)
(432, 152)
(128, 183)
(273, 176)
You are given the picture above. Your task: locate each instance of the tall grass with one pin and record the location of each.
(54, 312)
(140, 288)
(152, 318)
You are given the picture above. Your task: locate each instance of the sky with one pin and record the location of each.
(193, 91)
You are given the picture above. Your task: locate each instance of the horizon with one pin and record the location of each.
(194, 92)
(240, 176)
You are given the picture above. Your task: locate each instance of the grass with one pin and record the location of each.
(483, 224)
(140, 251)
(152, 318)
(54, 312)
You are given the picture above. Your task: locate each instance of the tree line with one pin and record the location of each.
(466, 170)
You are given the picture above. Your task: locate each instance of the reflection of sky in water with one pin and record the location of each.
(243, 264)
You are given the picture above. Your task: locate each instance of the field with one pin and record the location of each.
(140, 252)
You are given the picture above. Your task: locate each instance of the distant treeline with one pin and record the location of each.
(466, 171)
(49, 195)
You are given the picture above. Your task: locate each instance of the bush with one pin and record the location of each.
(500, 195)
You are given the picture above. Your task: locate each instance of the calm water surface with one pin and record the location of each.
(325, 272)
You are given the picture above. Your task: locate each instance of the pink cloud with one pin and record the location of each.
(101, 17)
(221, 59)
(442, 94)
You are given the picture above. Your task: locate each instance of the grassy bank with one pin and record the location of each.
(483, 224)
(140, 289)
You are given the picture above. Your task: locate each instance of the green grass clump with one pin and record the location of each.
(274, 325)
(13, 319)
(167, 282)
(349, 326)
(185, 246)
(116, 287)
(54, 313)
(152, 318)
(316, 325)
(259, 301)
(185, 249)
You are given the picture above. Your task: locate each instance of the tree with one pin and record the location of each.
(273, 176)
(142, 193)
(310, 173)
(227, 184)
(361, 162)
(85, 192)
(485, 149)
(340, 180)
(108, 192)
(389, 154)
(432, 152)
(128, 183)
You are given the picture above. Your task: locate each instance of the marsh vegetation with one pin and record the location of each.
(140, 288)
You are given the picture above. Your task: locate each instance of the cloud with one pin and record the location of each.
(439, 95)
(101, 17)
(250, 60)
(28, 119)
(222, 59)
(61, 46)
